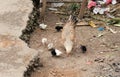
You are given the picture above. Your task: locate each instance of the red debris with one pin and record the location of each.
(91, 4)
(108, 1)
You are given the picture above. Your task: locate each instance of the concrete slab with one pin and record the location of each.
(14, 53)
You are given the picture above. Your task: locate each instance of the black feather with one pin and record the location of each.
(58, 28)
(83, 48)
(53, 52)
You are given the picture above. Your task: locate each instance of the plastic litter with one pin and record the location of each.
(99, 10)
(96, 10)
(110, 16)
(91, 23)
(91, 4)
(107, 1)
(43, 26)
(114, 2)
(99, 6)
(100, 35)
(101, 2)
(101, 28)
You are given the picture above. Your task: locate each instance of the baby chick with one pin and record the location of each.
(44, 41)
(43, 26)
(55, 52)
(58, 28)
(83, 48)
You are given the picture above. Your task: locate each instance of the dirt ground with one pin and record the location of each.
(102, 58)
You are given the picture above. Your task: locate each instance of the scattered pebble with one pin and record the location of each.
(99, 60)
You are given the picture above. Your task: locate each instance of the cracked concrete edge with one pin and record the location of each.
(15, 55)
(13, 16)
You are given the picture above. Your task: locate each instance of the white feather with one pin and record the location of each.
(43, 26)
(58, 52)
(50, 45)
(44, 41)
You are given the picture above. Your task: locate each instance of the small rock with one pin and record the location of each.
(83, 69)
(99, 60)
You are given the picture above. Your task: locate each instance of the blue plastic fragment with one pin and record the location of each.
(101, 28)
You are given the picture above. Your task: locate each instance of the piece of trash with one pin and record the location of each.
(52, 9)
(107, 1)
(43, 26)
(100, 10)
(118, 25)
(103, 10)
(110, 16)
(114, 2)
(91, 4)
(110, 29)
(100, 35)
(101, 28)
(96, 10)
(101, 2)
(57, 4)
(91, 23)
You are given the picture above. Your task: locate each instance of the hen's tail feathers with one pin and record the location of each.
(73, 19)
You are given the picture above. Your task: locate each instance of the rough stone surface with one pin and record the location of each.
(14, 53)
(13, 16)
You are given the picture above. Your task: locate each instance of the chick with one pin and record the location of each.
(58, 28)
(55, 52)
(43, 26)
(44, 41)
(83, 48)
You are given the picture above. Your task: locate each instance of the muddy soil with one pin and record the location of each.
(102, 58)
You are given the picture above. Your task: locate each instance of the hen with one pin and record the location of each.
(68, 34)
